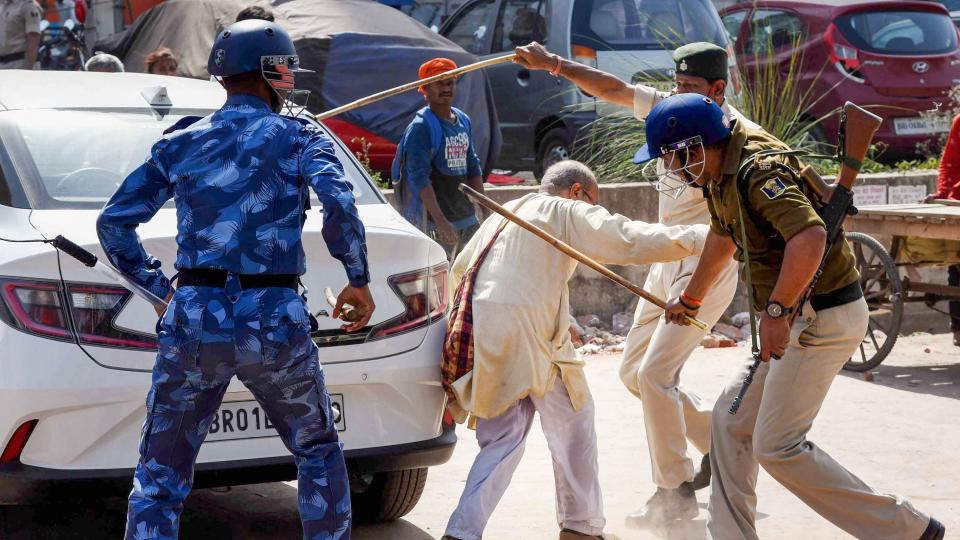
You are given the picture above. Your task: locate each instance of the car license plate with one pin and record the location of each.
(921, 126)
(246, 420)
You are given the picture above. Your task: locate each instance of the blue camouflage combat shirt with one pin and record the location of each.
(239, 180)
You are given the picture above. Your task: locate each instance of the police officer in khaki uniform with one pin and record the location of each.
(769, 212)
(19, 33)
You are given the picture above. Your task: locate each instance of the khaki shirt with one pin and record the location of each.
(17, 19)
(778, 208)
(690, 207)
(521, 305)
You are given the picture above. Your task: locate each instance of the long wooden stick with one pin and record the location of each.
(416, 84)
(570, 250)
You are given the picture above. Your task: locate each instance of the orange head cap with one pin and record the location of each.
(436, 67)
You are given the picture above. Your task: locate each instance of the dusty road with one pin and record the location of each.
(899, 433)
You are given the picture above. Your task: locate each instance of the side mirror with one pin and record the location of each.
(44, 24)
(69, 25)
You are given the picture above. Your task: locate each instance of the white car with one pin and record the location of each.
(76, 350)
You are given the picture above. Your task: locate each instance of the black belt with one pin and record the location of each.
(843, 295)
(214, 277)
(12, 57)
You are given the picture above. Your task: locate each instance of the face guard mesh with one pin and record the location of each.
(672, 173)
(280, 73)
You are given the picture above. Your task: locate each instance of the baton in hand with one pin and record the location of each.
(90, 260)
(569, 250)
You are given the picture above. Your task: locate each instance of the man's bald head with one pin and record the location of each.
(571, 180)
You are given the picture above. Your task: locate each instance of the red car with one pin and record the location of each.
(899, 58)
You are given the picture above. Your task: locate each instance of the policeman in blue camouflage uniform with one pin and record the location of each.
(239, 179)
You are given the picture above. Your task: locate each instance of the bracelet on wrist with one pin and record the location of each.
(691, 300)
(556, 71)
(691, 307)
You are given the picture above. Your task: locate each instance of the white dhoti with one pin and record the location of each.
(572, 440)
(653, 356)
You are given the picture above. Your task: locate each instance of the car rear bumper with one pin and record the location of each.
(21, 484)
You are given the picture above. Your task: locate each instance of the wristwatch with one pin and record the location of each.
(776, 310)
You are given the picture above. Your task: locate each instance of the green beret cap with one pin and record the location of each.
(701, 59)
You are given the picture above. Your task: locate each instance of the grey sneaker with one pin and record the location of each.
(664, 506)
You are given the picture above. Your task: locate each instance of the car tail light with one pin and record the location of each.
(424, 296)
(94, 309)
(17, 442)
(842, 55)
(36, 307)
(448, 419)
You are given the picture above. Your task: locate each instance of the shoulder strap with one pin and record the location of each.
(433, 126)
(747, 168)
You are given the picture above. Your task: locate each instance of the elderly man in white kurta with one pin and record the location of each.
(655, 351)
(524, 361)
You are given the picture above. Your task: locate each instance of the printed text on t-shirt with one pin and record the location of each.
(455, 151)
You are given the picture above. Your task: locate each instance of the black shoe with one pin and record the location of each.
(935, 531)
(666, 505)
(702, 478)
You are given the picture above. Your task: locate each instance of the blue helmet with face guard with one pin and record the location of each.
(681, 121)
(259, 46)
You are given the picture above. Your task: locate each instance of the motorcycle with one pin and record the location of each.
(62, 46)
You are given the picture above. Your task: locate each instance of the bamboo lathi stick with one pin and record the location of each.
(414, 85)
(569, 250)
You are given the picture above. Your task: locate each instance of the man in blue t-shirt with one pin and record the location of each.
(437, 156)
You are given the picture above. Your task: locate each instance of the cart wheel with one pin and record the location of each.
(883, 292)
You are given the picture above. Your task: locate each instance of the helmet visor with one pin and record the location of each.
(280, 73)
(676, 169)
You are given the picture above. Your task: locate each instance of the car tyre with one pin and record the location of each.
(554, 147)
(388, 495)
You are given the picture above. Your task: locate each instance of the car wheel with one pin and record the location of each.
(386, 496)
(554, 147)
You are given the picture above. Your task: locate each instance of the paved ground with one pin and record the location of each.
(899, 433)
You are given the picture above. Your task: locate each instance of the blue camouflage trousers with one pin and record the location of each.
(206, 336)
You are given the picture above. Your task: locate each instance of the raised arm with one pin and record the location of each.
(137, 200)
(592, 81)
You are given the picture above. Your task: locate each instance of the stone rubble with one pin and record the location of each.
(598, 336)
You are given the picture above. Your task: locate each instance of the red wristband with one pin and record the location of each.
(556, 70)
(691, 300)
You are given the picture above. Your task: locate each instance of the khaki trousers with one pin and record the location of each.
(771, 430)
(653, 356)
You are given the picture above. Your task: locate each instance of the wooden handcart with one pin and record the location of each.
(885, 290)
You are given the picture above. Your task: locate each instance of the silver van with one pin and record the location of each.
(540, 117)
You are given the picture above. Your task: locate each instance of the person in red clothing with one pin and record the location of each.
(948, 187)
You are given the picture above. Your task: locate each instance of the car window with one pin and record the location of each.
(469, 29)
(732, 23)
(773, 30)
(899, 32)
(519, 23)
(80, 157)
(645, 24)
